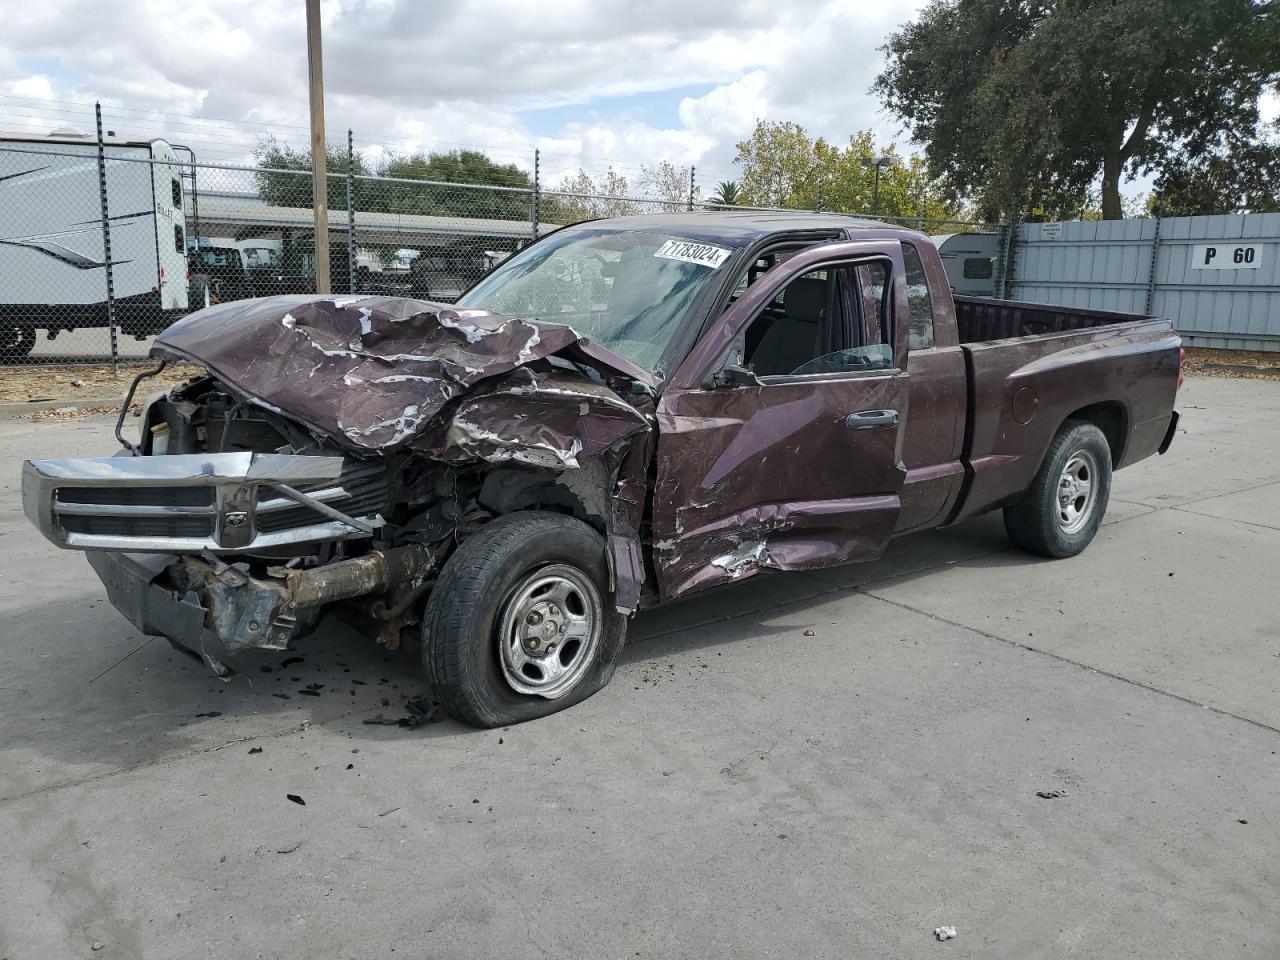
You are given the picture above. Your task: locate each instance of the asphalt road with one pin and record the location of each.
(740, 790)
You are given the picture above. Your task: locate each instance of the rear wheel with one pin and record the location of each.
(521, 622)
(1061, 512)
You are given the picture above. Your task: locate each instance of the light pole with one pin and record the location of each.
(884, 160)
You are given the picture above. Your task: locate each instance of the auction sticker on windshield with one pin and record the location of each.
(703, 254)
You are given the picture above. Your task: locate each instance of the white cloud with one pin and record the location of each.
(409, 75)
(730, 108)
(37, 85)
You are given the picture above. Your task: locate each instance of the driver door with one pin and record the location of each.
(796, 463)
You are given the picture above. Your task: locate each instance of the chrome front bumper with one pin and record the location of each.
(191, 503)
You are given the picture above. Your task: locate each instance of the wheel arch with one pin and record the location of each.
(578, 493)
(1109, 416)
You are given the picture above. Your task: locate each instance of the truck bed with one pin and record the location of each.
(980, 319)
(1032, 366)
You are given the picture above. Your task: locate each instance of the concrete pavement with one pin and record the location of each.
(739, 790)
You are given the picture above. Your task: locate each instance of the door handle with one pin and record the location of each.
(871, 419)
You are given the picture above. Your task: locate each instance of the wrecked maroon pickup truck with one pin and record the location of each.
(623, 413)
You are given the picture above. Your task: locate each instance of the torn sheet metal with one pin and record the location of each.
(627, 559)
(372, 372)
(746, 557)
(552, 419)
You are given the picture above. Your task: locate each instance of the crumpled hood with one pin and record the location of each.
(371, 371)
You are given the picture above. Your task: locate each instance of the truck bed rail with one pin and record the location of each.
(980, 319)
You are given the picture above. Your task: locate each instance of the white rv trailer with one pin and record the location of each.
(969, 259)
(52, 265)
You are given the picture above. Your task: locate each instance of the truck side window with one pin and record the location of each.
(920, 334)
(795, 327)
(875, 348)
(177, 194)
(178, 243)
(978, 268)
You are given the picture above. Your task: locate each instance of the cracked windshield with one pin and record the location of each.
(627, 291)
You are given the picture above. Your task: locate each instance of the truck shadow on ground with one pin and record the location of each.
(774, 602)
(75, 709)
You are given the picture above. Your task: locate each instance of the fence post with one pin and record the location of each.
(1007, 251)
(351, 216)
(1151, 274)
(692, 184)
(106, 239)
(537, 191)
(817, 198)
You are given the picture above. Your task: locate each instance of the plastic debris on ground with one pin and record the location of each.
(421, 710)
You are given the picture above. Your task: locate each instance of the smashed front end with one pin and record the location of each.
(337, 453)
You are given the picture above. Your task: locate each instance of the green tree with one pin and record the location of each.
(669, 184)
(782, 167)
(1233, 177)
(287, 189)
(777, 161)
(457, 166)
(580, 196)
(294, 189)
(1026, 103)
(726, 194)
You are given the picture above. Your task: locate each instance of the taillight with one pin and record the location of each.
(1182, 357)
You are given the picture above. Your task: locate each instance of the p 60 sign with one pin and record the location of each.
(1226, 256)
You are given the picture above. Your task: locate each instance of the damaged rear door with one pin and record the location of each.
(780, 437)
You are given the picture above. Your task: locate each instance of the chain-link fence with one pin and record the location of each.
(105, 241)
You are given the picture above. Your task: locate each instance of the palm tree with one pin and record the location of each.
(726, 194)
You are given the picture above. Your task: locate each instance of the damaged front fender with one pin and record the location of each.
(462, 387)
(552, 419)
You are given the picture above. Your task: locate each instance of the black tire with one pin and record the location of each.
(460, 643)
(1037, 522)
(17, 341)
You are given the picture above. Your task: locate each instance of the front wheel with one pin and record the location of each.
(521, 622)
(1061, 512)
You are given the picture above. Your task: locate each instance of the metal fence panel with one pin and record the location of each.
(186, 234)
(1149, 266)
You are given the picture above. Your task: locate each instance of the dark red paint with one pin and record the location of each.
(727, 480)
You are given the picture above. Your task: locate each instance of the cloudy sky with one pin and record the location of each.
(593, 83)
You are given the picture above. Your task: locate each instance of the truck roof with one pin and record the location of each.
(740, 228)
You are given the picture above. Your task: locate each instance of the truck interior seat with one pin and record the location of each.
(791, 340)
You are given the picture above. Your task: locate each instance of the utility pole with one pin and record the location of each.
(885, 160)
(319, 182)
